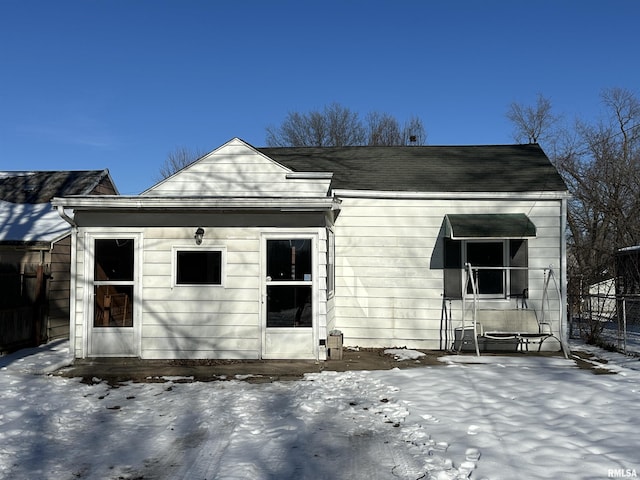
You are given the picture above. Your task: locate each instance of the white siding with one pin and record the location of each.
(199, 322)
(389, 277)
(238, 170)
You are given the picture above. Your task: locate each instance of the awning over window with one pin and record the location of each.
(508, 225)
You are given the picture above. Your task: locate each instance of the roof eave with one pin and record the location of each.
(541, 195)
(138, 203)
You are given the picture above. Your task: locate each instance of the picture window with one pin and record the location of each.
(199, 267)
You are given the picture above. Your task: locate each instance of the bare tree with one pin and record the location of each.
(414, 132)
(383, 129)
(532, 123)
(600, 163)
(334, 126)
(338, 126)
(177, 160)
(344, 126)
(604, 179)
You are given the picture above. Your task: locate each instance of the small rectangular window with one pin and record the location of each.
(199, 267)
(113, 259)
(289, 260)
(331, 262)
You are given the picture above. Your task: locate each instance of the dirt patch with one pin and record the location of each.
(120, 370)
(589, 361)
(117, 371)
(376, 359)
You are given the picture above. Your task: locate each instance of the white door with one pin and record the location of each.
(289, 297)
(113, 324)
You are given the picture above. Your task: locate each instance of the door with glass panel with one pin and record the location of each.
(113, 302)
(289, 297)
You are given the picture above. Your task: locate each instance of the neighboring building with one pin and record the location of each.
(628, 271)
(262, 252)
(628, 285)
(35, 250)
(602, 300)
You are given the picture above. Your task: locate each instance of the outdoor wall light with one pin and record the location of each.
(198, 236)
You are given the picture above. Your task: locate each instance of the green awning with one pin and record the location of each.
(476, 226)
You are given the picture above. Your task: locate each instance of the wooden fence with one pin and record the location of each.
(23, 307)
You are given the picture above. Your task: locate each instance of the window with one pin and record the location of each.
(113, 281)
(331, 262)
(198, 267)
(289, 283)
(504, 261)
(289, 260)
(489, 281)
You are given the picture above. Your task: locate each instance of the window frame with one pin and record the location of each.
(503, 268)
(331, 263)
(174, 266)
(515, 260)
(128, 321)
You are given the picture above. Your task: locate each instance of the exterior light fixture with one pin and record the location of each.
(198, 236)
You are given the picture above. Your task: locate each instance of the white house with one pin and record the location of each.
(255, 253)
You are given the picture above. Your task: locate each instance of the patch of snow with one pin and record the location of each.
(402, 354)
(492, 417)
(31, 222)
(245, 376)
(177, 378)
(617, 337)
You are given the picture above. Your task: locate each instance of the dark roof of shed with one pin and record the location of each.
(484, 168)
(42, 186)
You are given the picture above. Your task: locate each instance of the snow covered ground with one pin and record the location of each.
(493, 417)
(615, 335)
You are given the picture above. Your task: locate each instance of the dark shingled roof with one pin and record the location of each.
(484, 168)
(42, 186)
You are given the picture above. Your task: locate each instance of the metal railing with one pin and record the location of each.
(470, 303)
(606, 319)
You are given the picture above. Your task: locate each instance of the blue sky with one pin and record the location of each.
(117, 84)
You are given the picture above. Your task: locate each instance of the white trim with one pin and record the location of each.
(534, 195)
(198, 248)
(73, 269)
(88, 300)
(294, 233)
(309, 176)
(115, 202)
(87, 290)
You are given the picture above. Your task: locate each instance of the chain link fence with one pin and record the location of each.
(606, 320)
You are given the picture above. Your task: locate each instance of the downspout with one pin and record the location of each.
(66, 217)
(72, 280)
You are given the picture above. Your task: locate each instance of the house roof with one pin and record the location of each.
(26, 216)
(483, 168)
(42, 186)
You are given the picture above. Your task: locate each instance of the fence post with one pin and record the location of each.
(624, 324)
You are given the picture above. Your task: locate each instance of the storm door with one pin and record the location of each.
(289, 300)
(114, 328)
